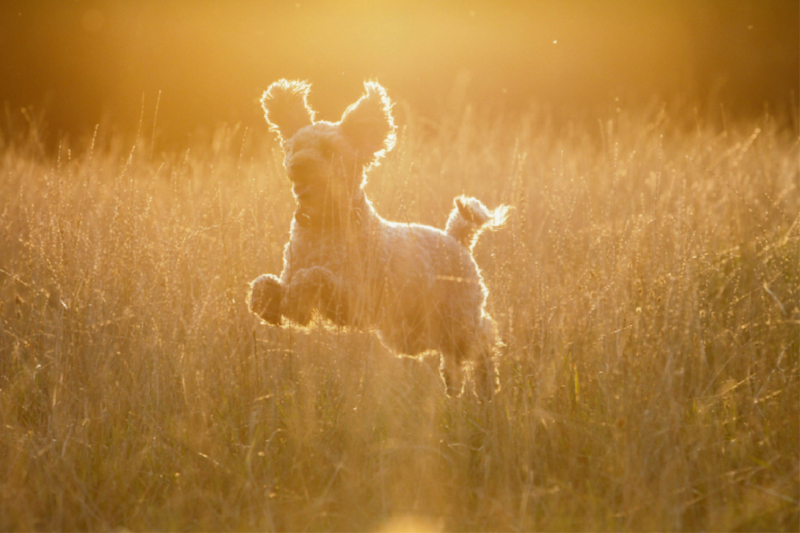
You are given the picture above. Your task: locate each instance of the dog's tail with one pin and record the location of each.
(470, 217)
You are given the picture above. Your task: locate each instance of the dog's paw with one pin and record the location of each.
(328, 295)
(316, 288)
(266, 292)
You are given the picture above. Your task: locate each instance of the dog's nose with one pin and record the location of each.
(299, 170)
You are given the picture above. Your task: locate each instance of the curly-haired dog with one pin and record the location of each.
(418, 286)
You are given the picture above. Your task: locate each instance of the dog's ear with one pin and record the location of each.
(286, 108)
(368, 123)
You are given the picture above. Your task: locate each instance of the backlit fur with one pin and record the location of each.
(417, 286)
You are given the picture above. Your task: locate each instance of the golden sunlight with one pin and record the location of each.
(211, 60)
(242, 286)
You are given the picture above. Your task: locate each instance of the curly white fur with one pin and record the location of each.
(418, 286)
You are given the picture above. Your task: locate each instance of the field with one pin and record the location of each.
(647, 289)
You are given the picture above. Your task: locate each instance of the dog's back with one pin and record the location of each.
(417, 285)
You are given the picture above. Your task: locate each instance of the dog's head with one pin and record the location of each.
(327, 162)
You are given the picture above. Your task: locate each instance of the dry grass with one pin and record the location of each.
(648, 290)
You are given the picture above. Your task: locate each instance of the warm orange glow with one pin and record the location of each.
(645, 288)
(211, 60)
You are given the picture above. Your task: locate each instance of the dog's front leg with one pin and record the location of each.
(266, 297)
(315, 288)
(452, 374)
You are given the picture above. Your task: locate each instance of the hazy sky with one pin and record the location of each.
(83, 60)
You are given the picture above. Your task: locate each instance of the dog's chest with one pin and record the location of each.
(345, 253)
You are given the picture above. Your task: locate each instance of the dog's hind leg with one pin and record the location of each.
(481, 353)
(484, 373)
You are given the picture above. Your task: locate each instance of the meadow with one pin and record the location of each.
(647, 290)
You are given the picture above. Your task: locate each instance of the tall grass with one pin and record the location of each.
(647, 290)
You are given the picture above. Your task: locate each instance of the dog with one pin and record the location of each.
(417, 286)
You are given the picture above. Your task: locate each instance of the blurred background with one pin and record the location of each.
(83, 62)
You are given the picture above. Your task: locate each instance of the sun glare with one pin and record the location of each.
(241, 285)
